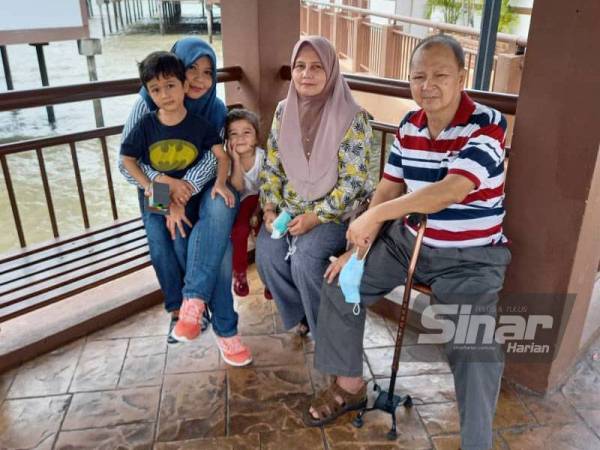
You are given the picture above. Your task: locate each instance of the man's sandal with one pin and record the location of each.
(302, 329)
(328, 408)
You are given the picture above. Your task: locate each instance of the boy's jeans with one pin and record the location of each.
(200, 265)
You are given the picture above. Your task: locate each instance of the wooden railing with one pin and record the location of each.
(505, 103)
(65, 94)
(38, 275)
(384, 49)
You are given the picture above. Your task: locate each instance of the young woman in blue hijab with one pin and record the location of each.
(207, 250)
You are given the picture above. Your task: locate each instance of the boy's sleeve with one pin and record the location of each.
(137, 112)
(134, 144)
(202, 172)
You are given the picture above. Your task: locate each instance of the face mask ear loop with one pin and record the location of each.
(356, 308)
(291, 247)
(365, 255)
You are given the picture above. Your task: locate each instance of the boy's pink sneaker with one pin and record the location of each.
(233, 351)
(188, 325)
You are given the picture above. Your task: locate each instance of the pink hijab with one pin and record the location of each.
(316, 125)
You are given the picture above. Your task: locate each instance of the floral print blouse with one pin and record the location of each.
(353, 176)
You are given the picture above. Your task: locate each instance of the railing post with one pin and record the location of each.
(90, 48)
(303, 29)
(307, 24)
(387, 43)
(320, 22)
(509, 70)
(39, 48)
(6, 66)
(334, 23)
(356, 50)
(393, 51)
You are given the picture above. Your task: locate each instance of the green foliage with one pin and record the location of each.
(455, 9)
(507, 17)
(450, 8)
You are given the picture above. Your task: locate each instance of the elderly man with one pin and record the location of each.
(447, 161)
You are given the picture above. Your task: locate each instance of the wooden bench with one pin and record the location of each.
(38, 276)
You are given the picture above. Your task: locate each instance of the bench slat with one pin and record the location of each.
(45, 252)
(72, 277)
(71, 289)
(41, 276)
(80, 256)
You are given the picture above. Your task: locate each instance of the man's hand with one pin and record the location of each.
(336, 265)
(268, 218)
(363, 231)
(222, 190)
(176, 219)
(303, 223)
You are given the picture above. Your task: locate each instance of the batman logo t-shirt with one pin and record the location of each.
(170, 149)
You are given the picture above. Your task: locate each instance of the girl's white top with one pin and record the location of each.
(251, 183)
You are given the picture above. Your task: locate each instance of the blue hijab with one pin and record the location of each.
(209, 106)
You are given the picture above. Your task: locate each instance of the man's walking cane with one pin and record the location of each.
(386, 400)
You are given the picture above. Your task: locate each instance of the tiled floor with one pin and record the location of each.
(124, 388)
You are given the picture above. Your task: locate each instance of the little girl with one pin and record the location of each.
(241, 130)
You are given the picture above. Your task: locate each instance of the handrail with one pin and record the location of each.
(92, 90)
(502, 37)
(505, 103)
(42, 143)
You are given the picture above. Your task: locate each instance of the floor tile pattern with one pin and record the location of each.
(124, 387)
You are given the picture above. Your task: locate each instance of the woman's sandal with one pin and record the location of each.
(328, 408)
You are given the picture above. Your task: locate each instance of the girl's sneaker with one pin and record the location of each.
(240, 284)
(188, 325)
(233, 351)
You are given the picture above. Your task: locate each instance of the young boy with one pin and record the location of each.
(171, 140)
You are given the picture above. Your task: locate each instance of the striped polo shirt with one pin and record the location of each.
(471, 146)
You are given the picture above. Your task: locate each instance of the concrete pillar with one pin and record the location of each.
(259, 36)
(553, 185)
(90, 48)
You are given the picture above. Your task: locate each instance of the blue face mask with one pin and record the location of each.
(350, 278)
(280, 224)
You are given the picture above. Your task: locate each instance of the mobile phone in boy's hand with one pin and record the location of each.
(158, 202)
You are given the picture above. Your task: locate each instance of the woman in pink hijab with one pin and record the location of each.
(316, 169)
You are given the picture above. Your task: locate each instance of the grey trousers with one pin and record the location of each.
(472, 276)
(296, 282)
